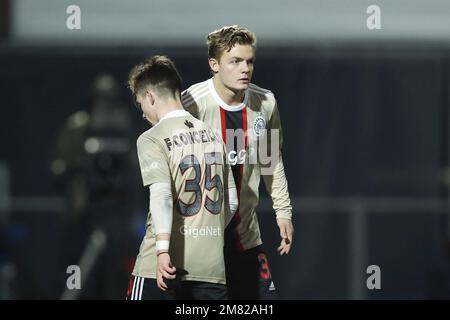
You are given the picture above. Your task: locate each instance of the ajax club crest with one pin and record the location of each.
(259, 125)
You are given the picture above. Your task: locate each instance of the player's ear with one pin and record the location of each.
(213, 65)
(150, 95)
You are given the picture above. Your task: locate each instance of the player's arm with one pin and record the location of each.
(161, 208)
(276, 184)
(156, 174)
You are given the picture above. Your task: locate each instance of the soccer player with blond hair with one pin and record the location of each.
(248, 119)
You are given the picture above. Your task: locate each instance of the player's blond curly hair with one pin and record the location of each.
(225, 38)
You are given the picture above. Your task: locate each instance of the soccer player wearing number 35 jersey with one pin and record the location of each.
(192, 193)
(247, 117)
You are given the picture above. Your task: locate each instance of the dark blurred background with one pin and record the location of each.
(365, 116)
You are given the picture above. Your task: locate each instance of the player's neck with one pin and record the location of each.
(230, 97)
(169, 106)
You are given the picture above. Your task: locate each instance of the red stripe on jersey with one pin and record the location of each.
(244, 120)
(237, 216)
(223, 122)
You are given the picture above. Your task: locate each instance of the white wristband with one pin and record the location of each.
(162, 245)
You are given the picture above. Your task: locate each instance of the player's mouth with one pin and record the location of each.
(245, 80)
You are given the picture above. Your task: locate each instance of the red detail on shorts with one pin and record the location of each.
(130, 286)
(264, 271)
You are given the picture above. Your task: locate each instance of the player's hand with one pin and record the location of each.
(164, 270)
(286, 233)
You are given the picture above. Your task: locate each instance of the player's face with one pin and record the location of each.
(235, 67)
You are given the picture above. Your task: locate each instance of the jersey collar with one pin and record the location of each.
(175, 114)
(221, 103)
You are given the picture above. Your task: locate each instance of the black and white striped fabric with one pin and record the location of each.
(136, 288)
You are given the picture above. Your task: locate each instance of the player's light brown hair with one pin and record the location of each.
(225, 38)
(158, 73)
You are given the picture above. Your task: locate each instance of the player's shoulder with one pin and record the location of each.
(259, 91)
(194, 93)
(200, 124)
(262, 96)
(149, 136)
(196, 89)
(195, 121)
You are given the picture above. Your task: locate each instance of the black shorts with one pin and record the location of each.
(248, 274)
(147, 289)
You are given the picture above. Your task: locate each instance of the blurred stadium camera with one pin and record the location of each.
(92, 150)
